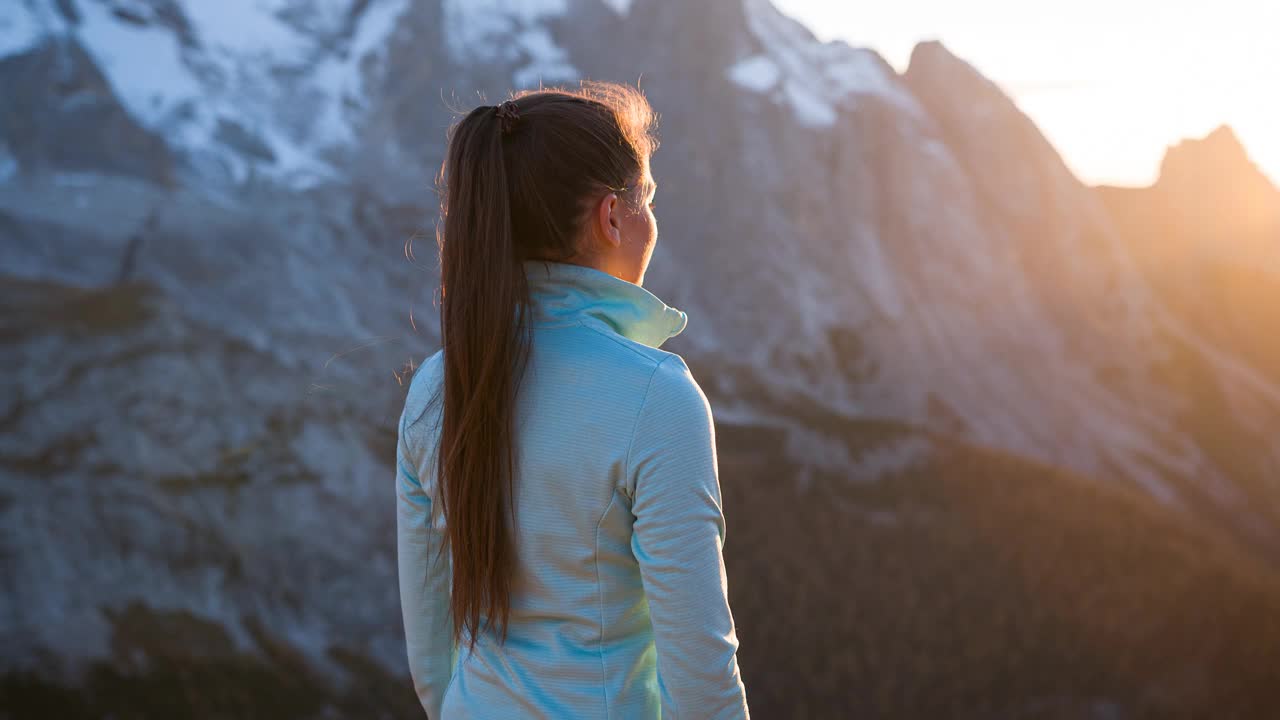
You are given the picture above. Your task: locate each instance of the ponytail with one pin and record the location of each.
(516, 181)
(483, 291)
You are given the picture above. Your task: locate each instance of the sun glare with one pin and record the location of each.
(1111, 84)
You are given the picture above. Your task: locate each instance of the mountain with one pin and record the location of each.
(1207, 239)
(1017, 479)
(1207, 235)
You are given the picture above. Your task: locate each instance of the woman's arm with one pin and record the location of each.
(424, 584)
(678, 540)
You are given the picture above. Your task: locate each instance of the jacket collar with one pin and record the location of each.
(566, 293)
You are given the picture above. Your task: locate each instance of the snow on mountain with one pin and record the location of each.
(813, 78)
(622, 7)
(280, 82)
(509, 31)
(25, 24)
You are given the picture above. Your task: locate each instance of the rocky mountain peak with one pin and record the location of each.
(1217, 164)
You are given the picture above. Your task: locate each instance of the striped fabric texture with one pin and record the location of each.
(620, 605)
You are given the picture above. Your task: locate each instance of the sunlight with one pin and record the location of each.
(1110, 84)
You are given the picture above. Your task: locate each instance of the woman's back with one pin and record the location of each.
(618, 604)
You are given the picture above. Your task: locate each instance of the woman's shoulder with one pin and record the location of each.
(674, 392)
(426, 376)
(421, 402)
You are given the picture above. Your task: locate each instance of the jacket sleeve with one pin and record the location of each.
(424, 584)
(678, 539)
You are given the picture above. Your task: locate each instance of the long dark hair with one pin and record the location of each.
(516, 184)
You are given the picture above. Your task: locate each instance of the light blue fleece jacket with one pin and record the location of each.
(620, 604)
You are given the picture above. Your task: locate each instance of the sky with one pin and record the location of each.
(1111, 83)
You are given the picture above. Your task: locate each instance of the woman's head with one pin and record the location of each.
(550, 174)
(575, 168)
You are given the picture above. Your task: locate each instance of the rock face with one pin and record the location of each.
(47, 131)
(208, 214)
(1207, 238)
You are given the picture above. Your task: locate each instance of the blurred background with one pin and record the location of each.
(985, 297)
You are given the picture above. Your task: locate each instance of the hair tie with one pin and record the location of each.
(508, 113)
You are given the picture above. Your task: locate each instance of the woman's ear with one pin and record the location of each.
(607, 221)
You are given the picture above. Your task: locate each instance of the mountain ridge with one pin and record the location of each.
(225, 297)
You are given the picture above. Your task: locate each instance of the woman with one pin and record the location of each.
(560, 525)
